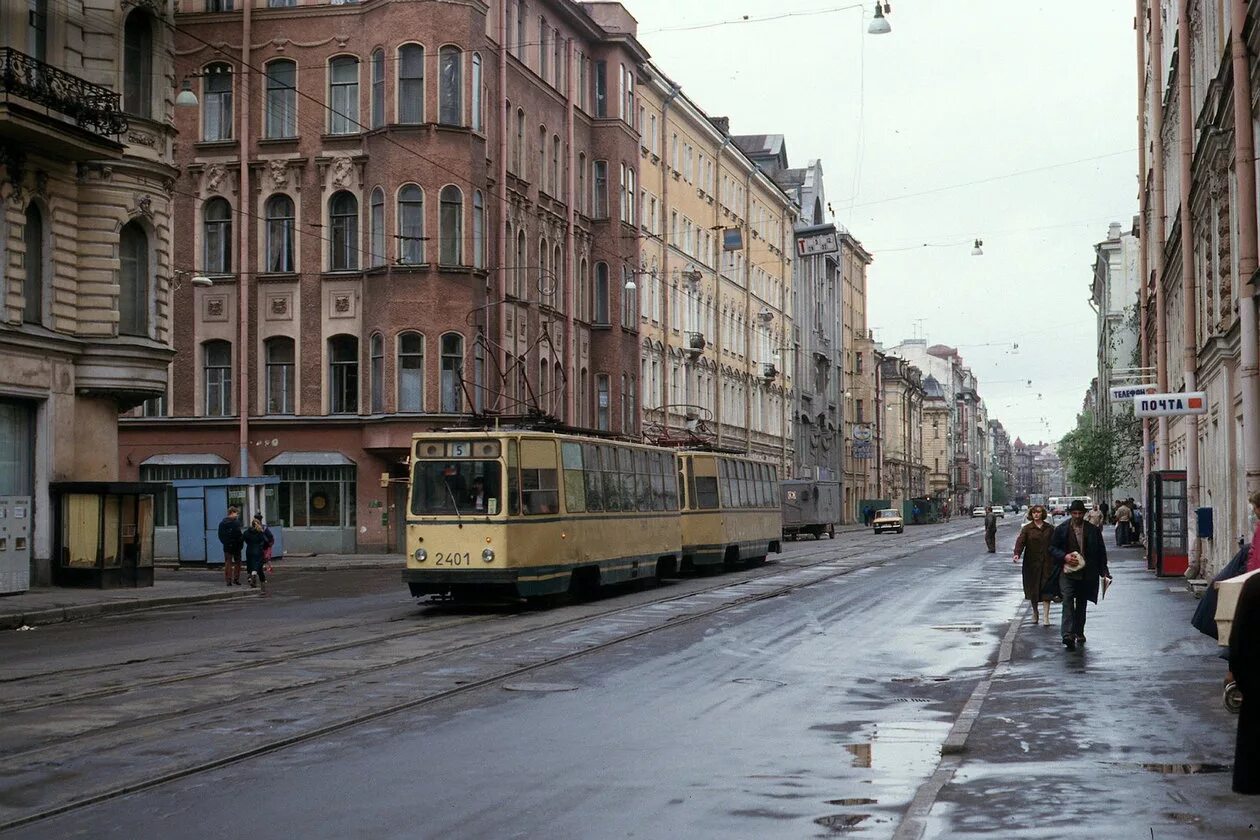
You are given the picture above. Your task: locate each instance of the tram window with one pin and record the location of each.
(514, 480)
(456, 487)
(673, 488)
(706, 492)
(724, 477)
(539, 493)
(739, 480)
(643, 480)
(763, 485)
(660, 479)
(594, 479)
(612, 483)
(625, 462)
(574, 478)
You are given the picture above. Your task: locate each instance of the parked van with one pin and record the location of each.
(810, 507)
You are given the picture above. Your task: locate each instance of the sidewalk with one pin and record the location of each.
(173, 586)
(1126, 737)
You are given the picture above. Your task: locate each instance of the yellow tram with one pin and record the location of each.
(523, 513)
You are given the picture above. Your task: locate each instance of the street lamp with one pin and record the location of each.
(880, 25)
(976, 250)
(186, 97)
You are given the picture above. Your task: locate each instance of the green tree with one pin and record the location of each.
(1001, 493)
(1102, 455)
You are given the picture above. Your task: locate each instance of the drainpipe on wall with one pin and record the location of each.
(505, 125)
(1143, 245)
(717, 306)
(1189, 356)
(1245, 170)
(570, 251)
(1159, 223)
(666, 241)
(245, 227)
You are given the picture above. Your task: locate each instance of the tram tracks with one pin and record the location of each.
(210, 735)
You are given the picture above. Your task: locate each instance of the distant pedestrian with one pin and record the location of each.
(1033, 546)
(232, 539)
(990, 529)
(1079, 550)
(256, 545)
(1096, 517)
(1104, 509)
(1244, 662)
(1124, 525)
(868, 516)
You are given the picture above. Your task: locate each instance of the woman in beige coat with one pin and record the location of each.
(1033, 546)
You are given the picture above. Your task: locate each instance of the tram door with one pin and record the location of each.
(1166, 523)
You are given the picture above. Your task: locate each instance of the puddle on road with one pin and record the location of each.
(906, 748)
(758, 681)
(842, 822)
(1188, 769)
(849, 803)
(960, 628)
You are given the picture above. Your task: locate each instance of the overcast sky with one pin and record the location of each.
(960, 91)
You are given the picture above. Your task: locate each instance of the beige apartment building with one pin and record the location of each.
(861, 473)
(714, 280)
(86, 181)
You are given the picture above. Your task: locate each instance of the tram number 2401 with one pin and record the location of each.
(455, 558)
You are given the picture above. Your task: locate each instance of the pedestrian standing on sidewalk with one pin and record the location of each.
(256, 546)
(990, 529)
(1124, 525)
(1081, 553)
(1244, 662)
(1096, 517)
(1033, 545)
(231, 537)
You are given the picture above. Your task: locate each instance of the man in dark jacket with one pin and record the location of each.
(233, 539)
(1079, 550)
(990, 529)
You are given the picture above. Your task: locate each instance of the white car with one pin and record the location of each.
(977, 511)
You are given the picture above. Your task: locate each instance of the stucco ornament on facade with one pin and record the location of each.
(279, 171)
(342, 172)
(216, 173)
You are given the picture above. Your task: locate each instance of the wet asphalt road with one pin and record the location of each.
(818, 711)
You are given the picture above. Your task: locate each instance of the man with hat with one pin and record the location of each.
(1079, 549)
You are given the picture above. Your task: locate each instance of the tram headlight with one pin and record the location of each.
(421, 555)
(488, 555)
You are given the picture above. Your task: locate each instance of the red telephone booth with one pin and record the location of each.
(1167, 543)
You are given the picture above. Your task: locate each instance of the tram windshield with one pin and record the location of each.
(458, 488)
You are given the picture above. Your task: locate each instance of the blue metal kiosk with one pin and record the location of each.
(203, 502)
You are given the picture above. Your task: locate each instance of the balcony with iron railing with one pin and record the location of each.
(43, 105)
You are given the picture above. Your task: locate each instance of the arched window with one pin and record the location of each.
(555, 165)
(522, 265)
(579, 200)
(343, 95)
(133, 280)
(452, 373)
(544, 274)
(479, 230)
(599, 296)
(477, 120)
(557, 270)
(451, 86)
(378, 88)
(343, 218)
(411, 83)
(281, 228)
(542, 160)
(343, 374)
(411, 372)
(217, 223)
(216, 361)
(281, 105)
(584, 291)
(216, 102)
(451, 226)
(34, 265)
(411, 225)
(518, 154)
(281, 383)
(376, 225)
(376, 353)
(138, 64)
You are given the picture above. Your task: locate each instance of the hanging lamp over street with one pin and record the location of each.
(880, 25)
(976, 250)
(186, 97)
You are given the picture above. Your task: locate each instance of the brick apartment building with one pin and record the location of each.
(408, 211)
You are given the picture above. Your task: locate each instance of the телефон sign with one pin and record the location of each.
(1120, 393)
(1170, 405)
